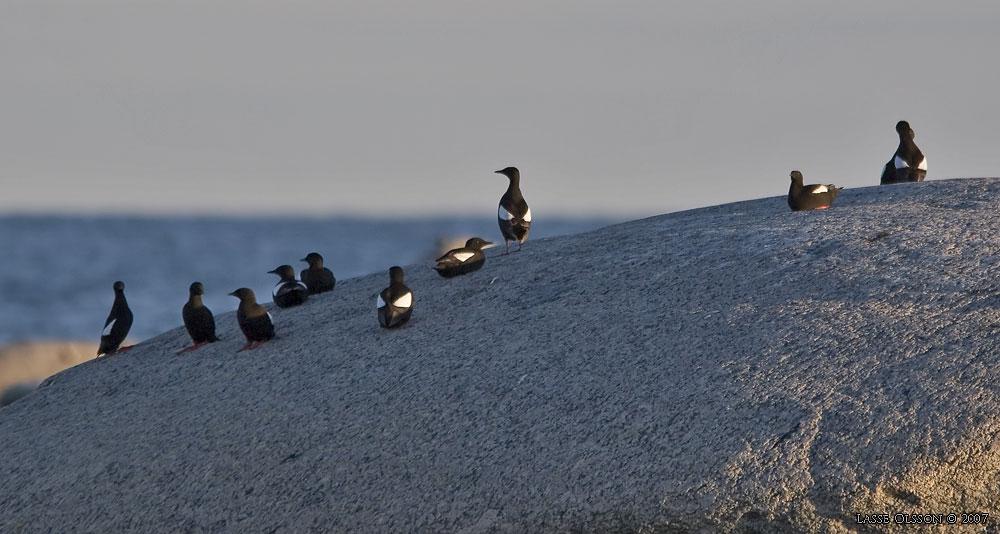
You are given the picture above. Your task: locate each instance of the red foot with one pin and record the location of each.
(123, 349)
(192, 347)
(251, 346)
(822, 207)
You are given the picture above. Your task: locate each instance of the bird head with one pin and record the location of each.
(313, 259)
(244, 294)
(903, 128)
(510, 172)
(285, 272)
(478, 244)
(396, 274)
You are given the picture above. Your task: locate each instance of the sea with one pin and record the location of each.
(56, 272)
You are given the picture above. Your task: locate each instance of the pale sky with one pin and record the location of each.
(401, 108)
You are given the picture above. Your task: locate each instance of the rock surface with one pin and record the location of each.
(739, 368)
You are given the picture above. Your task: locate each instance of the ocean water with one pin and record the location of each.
(57, 271)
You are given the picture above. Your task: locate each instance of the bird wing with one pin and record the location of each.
(455, 257)
(505, 215)
(108, 325)
(403, 301)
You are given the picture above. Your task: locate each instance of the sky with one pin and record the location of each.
(399, 108)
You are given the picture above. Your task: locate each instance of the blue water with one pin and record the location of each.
(57, 271)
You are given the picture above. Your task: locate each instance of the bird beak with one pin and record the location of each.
(488, 245)
(233, 294)
(273, 271)
(303, 259)
(498, 172)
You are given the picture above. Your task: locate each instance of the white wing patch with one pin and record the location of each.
(269, 318)
(302, 286)
(463, 256)
(379, 303)
(274, 292)
(900, 164)
(403, 302)
(923, 164)
(820, 189)
(107, 329)
(505, 215)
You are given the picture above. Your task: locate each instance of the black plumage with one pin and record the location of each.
(289, 291)
(810, 197)
(513, 214)
(198, 319)
(908, 164)
(253, 319)
(317, 278)
(117, 325)
(395, 303)
(463, 260)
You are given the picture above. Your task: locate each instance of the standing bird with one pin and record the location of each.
(253, 319)
(317, 278)
(810, 197)
(289, 291)
(118, 324)
(198, 319)
(908, 164)
(513, 215)
(464, 259)
(395, 303)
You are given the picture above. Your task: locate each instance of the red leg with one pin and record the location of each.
(506, 242)
(123, 349)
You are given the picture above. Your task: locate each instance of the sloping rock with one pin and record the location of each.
(739, 368)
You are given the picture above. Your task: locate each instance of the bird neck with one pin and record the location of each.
(514, 189)
(906, 141)
(195, 300)
(120, 298)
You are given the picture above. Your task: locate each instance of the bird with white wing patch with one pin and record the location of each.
(513, 214)
(810, 197)
(908, 164)
(395, 303)
(254, 320)
(118, 324)
(463, 260)
(288, 291)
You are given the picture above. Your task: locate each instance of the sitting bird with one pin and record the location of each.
(317, 278)
(513, 214)
(198, 319)
(395, 303)
(464, 259)
(908, 164)
(117, 325)
(810, 197)
(253, 319)
(288, 292)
